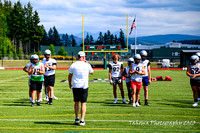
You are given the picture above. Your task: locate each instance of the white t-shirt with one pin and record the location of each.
(126, 71)
(136, 67)
(36, 76)
(80, 71)
(116, 69)
(146, 63)
(50, 62)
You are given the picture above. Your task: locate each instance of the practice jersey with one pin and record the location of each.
(146, 63)
(50, 62)
(80, 71)
(195, 69)
(116, 69)
(36, 76)
(27, 66)
(136, 67)
(126, 72)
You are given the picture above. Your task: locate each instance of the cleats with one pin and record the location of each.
(39, 104)
(134, 106)
(55, 98)
(115, 102)
(33, 104)
(195, 104)
(46, 98)
(82, 123)
(147, 104)
(137, 104)
(76, 121)
(124, 102)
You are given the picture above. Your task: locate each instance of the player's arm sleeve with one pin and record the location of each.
(122, 66)
(54, 62)
(149, 63)
(91, 71)
(109, 66)
(70, 70)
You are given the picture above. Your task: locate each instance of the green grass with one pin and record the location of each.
(170, 109)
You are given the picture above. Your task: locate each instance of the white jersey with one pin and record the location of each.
(36, 76)
(80, 71)
(146, 63)
(50, 62)
(126, 71)
(136, 67)
(116, 69)
(27, 66)
(195, 69)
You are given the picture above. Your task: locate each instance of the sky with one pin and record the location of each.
(153, 17)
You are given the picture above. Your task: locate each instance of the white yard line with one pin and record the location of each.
(3, 81)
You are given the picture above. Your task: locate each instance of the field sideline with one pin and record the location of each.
(170, 110)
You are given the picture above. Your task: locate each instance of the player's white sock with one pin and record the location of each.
(115, 99)
(38, 101)
(33, 101)
(30, 98)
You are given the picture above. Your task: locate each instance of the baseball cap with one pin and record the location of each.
(81, 53)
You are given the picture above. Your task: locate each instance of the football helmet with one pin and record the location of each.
(143, 53)
(194, 59)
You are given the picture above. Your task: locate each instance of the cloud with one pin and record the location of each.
(153, 16)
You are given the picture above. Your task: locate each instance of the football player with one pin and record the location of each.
(36, 70)
(136, 70)
(198, 54)
(115, 76)
(146, 79)
(193, 71)
(128, 78)
(49, 76)
(26, 68)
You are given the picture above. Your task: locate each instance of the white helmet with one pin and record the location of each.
(143, 53)
(31, 58)
(198, 54)
(47, 52)
(130, 61)
(194, 59)
(137, 57)
(34, 57)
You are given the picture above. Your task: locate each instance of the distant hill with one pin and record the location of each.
(145, 40)
(161, 39)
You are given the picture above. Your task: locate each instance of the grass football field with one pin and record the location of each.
(170, 110)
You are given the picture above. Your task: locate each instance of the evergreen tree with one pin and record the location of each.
(74, 44)
(87, 39)
(100, 39)
(105, 39)
(121, 39)
(56, 37)
(91, 40)
(50, 36)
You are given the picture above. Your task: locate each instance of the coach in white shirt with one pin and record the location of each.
(80, 71)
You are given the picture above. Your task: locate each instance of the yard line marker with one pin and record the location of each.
(3, 81)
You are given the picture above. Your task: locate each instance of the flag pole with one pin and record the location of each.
(135, 34)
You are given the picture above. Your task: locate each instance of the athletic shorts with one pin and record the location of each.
(36, 85)
(49, 80)
(145, 81)
(80, 94)
(116, 80)
(137, 85)
(195, 82)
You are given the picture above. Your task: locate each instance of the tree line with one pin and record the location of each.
(21, 32)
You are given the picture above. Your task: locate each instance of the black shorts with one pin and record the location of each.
(49, 80)
(80, 94)
(116, 80)
(36, 85)
(195, 82)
